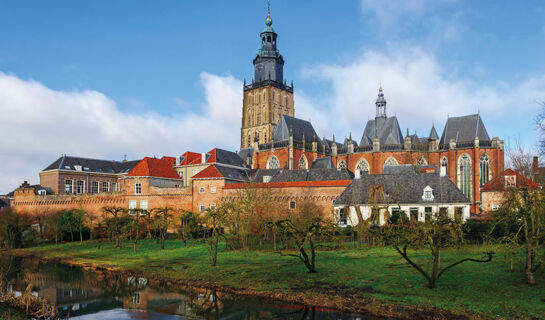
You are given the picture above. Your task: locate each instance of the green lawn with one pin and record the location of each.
(379, 274)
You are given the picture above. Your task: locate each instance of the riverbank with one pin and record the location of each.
(373, 281)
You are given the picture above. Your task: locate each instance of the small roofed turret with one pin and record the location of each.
(433, 134)
(381, 104)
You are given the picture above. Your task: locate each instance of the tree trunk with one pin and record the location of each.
(134, 247)
(162, 241)
(529, 273)
(80, 234)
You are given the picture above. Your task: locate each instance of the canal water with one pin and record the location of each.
(93, 294)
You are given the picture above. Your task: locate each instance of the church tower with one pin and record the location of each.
(268, 97)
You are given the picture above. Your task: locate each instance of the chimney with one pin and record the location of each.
(535, 164)
(178, 160)
(203, 157)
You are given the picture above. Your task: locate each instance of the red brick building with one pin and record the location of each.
(496, 191)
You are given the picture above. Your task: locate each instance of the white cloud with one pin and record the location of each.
(39, 124)
(420, 92)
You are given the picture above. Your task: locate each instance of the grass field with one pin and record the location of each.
(378, 273)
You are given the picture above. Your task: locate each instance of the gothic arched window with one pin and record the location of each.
(484, 169)
(303, 163)
(273, 163)
(362, 168)
(444, 166)
(341, 164)
(422, 161)
(391, 162)
(464, 175)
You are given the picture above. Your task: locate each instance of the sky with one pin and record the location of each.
(108, 79)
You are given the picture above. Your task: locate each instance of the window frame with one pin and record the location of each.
(138, 188)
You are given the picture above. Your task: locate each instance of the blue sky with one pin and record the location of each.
(107, 78)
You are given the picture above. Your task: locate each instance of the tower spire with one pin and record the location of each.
(381, 103)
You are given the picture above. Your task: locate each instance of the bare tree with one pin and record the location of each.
(437, 233)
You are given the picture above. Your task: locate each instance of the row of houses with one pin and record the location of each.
(198, 181)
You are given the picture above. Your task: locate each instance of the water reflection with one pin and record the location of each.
(92, 294)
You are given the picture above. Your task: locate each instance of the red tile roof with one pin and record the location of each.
(288, 184)
(208, 172)
(212, 158)
(152, 167)
(191, 158)
(498, 183)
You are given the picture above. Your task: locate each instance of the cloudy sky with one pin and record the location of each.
(104, 79)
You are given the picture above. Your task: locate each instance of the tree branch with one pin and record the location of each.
(488, 259)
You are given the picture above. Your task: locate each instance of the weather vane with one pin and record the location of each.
(269, 5)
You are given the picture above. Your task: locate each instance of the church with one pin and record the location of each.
(273, 138)
(286, 155)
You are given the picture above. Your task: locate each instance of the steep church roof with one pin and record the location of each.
(298, 126)
(464, 128)
(433, 134)
(387, 131)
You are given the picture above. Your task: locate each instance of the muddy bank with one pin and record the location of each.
(343, 299)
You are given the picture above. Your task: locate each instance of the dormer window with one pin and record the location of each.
(428, 194)
(510, 181)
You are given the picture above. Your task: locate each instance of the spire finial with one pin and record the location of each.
(268, 21)
(380, 86)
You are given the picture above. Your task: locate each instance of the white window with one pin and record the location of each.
(341, 164)
(391, 161)
(201, 190)
(303, 163)
(132, 206)
(212, 189)
(114, 187)
(144, 204)
(422, 161)
(138, 188)
(105, 187)
(292, 205)
(273, 163)
(213, 206)
(428, 194)
(464, 175)
(69, 186)
(94, 187)
(444, 167)
(80, 187)
(201, 208)
(510, 181)
(42, 192)
(362, 168)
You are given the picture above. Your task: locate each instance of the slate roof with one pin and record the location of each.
(35, 187)
(464, 128)
(282, 130)
(152, 167)
(322, 163)
(409, 169)
(388, 131)
(402, 189)
(322, 174)
(498, 183)
(433, 134)
(92, 165)
(225, 157)
(245, 153)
